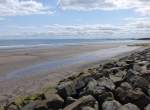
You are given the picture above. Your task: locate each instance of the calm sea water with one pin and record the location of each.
(20, 43)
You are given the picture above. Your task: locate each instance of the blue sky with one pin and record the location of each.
(74, 18)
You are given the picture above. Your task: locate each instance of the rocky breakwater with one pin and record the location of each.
(122, 84)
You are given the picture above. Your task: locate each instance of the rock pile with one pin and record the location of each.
(123, 84)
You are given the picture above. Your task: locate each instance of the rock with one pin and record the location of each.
(69, 100)
(137, 68)
(54, 101)
(129, 61)
(107, 83)
(139, 82)
(109, 65)
(90, 86)
(136, 97)
(128, 66)
(130, 73)
(148, 66)
(35, 97)
(98, 75)
(145, 73)
(105, 96)
(147, 107)
(115, 78)
(36, 105)
(66, 89)
(143, 63)
(95, 92)
(148, 91)
(129, 106)
(126, 86)
(83, 101)
(12, 106)
(111, 105)
(87, 108)
(115, 70)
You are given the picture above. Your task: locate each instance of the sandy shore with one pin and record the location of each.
(66, 60)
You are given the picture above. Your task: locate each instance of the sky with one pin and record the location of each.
(74, 18)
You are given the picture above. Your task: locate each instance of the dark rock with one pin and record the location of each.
(148, 66)
(126, 86)
(136, 97)
(91, 86)
(129, 106)
(82, 82)
(12, 106)
(95, 92)
(36, 105)
(107, 83)
(130, 73)
(109, 65)
(66, 89)
(54, 101)
(89, 101)
(98, 75)
(69, 100)
(105, 96)
(139, 82)
(129, 61)
(128, 66)
(115, 70)
(111, 105)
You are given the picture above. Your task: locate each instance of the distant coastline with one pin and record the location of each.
(143, 39)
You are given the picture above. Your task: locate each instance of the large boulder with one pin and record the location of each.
(109, 65)
(139, 82)
(129, 106)
(136, 97)
(111, 105)
(66, 89)
(89, 101)
(107, 83)
(126, 86)
(105, 96)
(36, 105)
(69, 100)
(91, 85)
(12, 106)
(54, 101)
(87, 108)
(117, 77)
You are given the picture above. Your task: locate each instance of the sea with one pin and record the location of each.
(25, 43)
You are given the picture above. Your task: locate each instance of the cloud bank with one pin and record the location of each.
(22, 7)
(139, 28)
(141, 6)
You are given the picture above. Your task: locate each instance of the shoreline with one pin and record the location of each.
(31, 83)
(66, 86)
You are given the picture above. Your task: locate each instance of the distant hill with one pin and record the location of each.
(143, 39)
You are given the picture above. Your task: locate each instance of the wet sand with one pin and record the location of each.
(24, 71)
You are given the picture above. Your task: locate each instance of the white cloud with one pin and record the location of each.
(141, 6)
(60, 30)
(22, 7)
(139, 27)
